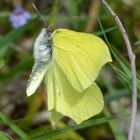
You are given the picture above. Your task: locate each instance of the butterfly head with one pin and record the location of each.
(49, 31)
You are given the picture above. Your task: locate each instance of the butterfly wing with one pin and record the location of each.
(80, 56)
(70, 103)
(52, 87)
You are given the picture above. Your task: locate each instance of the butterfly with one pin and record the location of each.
(69, 62)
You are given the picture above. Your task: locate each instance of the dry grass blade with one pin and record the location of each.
(131, 56)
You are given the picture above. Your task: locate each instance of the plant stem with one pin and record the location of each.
(131, 56)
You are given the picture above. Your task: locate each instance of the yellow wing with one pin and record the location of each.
(80, 56)
(52, 88)
(67, 101)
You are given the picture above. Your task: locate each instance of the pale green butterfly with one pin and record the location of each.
(70, 62)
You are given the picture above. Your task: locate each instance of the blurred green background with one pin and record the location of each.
(27, 118)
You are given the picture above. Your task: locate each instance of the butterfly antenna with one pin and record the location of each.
(39, 14)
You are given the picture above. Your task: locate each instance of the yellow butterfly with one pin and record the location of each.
(70, 62)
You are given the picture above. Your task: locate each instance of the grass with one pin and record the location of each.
(16, 65)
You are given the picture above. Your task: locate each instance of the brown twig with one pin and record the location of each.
(131, 56)
(93, 11)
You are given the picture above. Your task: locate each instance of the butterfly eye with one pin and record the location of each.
(49, 31)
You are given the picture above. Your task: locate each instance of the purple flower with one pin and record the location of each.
(19, 17)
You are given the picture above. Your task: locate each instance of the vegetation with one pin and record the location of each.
(26, 118)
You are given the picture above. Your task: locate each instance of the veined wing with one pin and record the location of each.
(53, 89)
(77, 106)
(80, 56)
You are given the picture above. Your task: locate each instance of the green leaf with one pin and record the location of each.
(73, 10)
(50, 134)
(15, 34)
(117, 132)
(4, 136)
(53, 14)
(2, 62)
(13, 126)
(125, 74)
(114, 96)
(17, 69)
(99, 33)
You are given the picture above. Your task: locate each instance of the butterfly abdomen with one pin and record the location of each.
(42, 56)
(43, 46)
